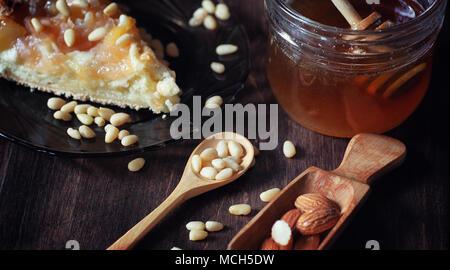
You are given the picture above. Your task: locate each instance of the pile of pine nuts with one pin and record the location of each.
(199, 231)
(88, 115)
(219, 163)
(206, 15)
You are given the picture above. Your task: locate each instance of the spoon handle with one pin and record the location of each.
(369, 156)
(135, 234)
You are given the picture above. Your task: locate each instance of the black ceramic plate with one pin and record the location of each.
(25, 119)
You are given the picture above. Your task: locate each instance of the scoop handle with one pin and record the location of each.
(369, 156)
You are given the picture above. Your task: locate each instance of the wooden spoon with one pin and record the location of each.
(190, 185)
(367, 158)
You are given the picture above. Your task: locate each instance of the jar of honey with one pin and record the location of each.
(339, 81)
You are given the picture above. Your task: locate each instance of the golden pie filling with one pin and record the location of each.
(85, 49)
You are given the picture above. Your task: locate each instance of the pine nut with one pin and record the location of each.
(289, 149)
(124, 20)
(224, 174)
(240, 209)
(268, 195)
(172, 50)
(213, 226)
(124, 39)
(210, 23)
(209, 6)
(55, 103)
(106, 113)
(175, 248)
(222, 12)
(86, 132)
(130, 140)
(196, 163)
(120, 119)
(85, 119)
(231, 163)
(111, 134)
(80, 3)
(81, 108)
(197, 235)
(218, 68)
(69, 107)
(111, 9)
(200, 14)
(193, 22)
(219, 164)
(235, 149)
(209, 173)
(92, 111)
(222, 149)
(208, 154)
(74, 134)
(136, 165)
(195, 225)
(62, 7)
(69, 37)
(65, 116)
(97, 34)
(108, 127)
(89, 18)
(213, 102)
(123, 133)
(158, 48)
(37, 25)
(99, 121)
(226, 49)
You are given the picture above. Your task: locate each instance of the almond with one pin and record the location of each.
(317, 221)
(282, 234)
(291, 217)
(269, 244)
(311, 201)
(307, 242)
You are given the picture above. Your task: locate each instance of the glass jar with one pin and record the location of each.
(342, 82)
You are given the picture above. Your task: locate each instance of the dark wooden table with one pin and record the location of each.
(46, 201)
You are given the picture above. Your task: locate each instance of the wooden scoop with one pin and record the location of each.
(367, 158)
(190, 185)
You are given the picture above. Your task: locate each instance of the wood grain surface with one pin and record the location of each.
(46, 201)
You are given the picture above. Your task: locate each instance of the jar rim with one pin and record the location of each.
(348, 31)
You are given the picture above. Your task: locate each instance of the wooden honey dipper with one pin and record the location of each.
(355, 20)
(358, 23)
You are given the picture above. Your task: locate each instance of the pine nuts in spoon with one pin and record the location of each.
(86, 132)
(222, 149)
(74, 134)
(55, 103)
(196, 163)
(224, 174)
(120, 119)
(208, 154)
(208, 173)
(235, 149)
(218, 164)
(226, 49)
(130, 140)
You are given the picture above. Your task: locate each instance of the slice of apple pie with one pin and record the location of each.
(86, 49)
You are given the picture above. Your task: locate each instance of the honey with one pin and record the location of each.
(340, 83)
